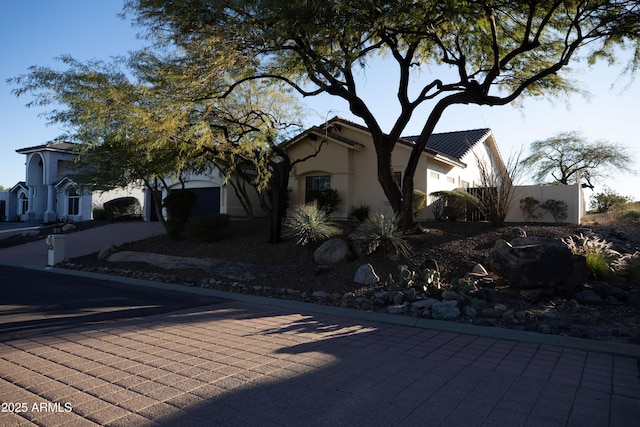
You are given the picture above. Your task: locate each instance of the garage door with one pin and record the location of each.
(208, 202)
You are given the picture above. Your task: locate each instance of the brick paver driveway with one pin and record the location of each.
(242, 363)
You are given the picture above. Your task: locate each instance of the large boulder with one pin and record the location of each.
(331, 252)
(366, 275)
(538, 263)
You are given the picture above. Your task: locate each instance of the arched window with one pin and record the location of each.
(73, 200)
(24, 203)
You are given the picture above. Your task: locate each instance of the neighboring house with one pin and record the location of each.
(347, 162)
(49, 194)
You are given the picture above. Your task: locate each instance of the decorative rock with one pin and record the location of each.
(365, 275)
(320, 295)
(543, 263)
(518, 232)
(331, 252)
(469, 311)
(68, 227)
(588, 297)
(479, 270)
(445, 310)
(424, 303)
(398, 309)
(106, 252)
(398, 298)
(450, 296)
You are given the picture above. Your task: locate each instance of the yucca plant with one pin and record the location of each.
(379, 231)
(308, 223)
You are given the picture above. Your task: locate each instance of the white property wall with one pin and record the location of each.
(100, 197)
(572, 195)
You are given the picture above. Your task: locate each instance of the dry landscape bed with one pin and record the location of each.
(242, 261)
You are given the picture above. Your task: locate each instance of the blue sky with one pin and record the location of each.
(34, 32)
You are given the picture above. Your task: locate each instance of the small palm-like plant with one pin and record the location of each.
(379, 231)
(308, 223)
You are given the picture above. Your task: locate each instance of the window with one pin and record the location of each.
(398, 177)
(24, 203)
(73, 207)
(464, 184)
(451, 180)
(316, 183)
(434, 175)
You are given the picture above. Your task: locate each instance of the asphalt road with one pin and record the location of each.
(33, 301)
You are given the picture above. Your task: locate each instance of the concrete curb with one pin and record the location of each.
(606, 347)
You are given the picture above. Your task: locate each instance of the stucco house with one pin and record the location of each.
(347, 163)
(50, 194)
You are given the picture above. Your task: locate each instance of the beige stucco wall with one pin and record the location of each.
(572, 195)
(353, 172)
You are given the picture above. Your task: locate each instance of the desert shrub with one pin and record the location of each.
(625, 212)
(420, 280)
(605, 200)
(381, 232)
(557, 209)
(308, 223)
(123, 208)
(628, 266)
(360, 212)
(179, 204)
(328, 199)
(598, 252)
(99, 214)
(452, 205)
(207, 228)
(529, 205)
(419, 201)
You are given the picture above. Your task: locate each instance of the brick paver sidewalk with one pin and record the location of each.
(245, 364)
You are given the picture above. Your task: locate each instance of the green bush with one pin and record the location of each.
(327, 199)
(557, 209)
(605, 200)
(179, 204)
(123, 208)
(360, 212)
(451, 204)
(308, 223)
(207, 228)
(419, 201)
(381, 232)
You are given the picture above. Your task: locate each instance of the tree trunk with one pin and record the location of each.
(279, 188)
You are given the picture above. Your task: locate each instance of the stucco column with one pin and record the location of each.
(50, 213)
(31, 213)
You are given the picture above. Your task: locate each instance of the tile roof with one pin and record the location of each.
(453, 144)
(49, 146)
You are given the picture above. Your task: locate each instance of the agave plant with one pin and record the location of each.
(381, 232)
(308, 223)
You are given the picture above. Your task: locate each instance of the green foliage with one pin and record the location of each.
(605, 200)
(420, 280)
(360, 212)
(466, 289)
(529, 205)
(328, 199)
(568, 155)
(308, 223)
(123, 209)
(179, 204)
(207, 228)
(599, 255)
(511, 51)
(625, 212)
(557, 209)
(381, 232)
(452, 204)
(419, 201)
